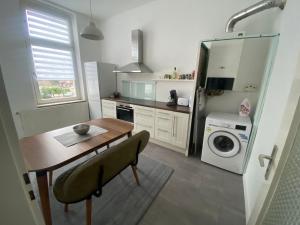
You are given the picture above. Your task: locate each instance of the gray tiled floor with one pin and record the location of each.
(197, 193)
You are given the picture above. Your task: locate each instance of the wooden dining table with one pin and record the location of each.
(42, 153)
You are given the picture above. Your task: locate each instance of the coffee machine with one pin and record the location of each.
(173, 98)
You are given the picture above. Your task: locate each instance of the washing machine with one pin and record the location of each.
(225, 141)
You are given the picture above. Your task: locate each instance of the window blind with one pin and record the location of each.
(48, 27)
(51, 46)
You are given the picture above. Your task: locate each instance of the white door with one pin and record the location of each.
(283, 200)
(281, 100)
(16, 207)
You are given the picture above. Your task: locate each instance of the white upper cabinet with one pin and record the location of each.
(224, 58)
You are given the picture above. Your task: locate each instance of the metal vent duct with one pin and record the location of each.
(256, 8)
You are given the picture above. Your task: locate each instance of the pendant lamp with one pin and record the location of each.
(90, 31)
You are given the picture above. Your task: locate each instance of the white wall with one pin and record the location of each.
(173, 31)
(275, 118)
(15, 61)
(230, 101)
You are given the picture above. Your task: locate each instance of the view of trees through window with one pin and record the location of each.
(57, 89)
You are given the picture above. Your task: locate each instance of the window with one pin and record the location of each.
(53, 54)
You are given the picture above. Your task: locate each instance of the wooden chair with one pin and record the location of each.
(87, 179)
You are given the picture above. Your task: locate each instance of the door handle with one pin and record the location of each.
(271, 159)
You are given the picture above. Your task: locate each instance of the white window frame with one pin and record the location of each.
(73, 47)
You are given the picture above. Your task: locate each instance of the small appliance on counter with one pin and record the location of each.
(183, 102)
(173, 98)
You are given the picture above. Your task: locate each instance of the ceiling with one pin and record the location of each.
(102, 9)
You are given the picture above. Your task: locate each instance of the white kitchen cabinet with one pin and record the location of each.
(167, 128)
(144, 119)
(163, 125)
(171, 127)
(224, 58)
(109, 109)
(180, 129)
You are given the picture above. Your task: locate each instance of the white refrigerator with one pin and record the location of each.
(100, 83)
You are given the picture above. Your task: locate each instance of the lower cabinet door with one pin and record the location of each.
(163, 135)
(109, 113)
(180, 131)
(163, 128)
(140, 127)
(109, 109)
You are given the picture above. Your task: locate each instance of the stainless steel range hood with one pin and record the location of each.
(137, 66)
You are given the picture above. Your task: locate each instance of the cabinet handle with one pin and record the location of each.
(168, 114)
(147, 110)
(162, 118)
(144, 125)
(174, 126)
(166, 131)
(144, 114)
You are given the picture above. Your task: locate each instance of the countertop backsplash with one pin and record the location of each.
(148, 87)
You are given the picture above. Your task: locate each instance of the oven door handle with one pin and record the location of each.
(128, 110)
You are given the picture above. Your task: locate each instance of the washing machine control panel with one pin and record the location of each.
(223, 125)
(227, 125)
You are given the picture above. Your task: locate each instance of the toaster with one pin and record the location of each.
(183, 101)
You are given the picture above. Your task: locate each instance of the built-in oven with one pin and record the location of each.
(125, 112)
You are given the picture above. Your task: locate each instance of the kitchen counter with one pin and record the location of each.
(152, 104)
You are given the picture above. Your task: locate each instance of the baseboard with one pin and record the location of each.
(166, 145)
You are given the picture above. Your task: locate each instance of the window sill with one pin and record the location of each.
(59, 103)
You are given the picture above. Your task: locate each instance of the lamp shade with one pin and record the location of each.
(91, 32)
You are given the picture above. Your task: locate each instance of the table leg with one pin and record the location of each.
(42, 181)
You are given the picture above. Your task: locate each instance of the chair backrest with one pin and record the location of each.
(83, 180)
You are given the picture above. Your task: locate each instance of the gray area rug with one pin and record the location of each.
(122, 201)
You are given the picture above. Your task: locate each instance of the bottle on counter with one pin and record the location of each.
(175, 74)
(193, 74)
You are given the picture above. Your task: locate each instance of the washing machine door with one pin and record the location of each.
(224, 144)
